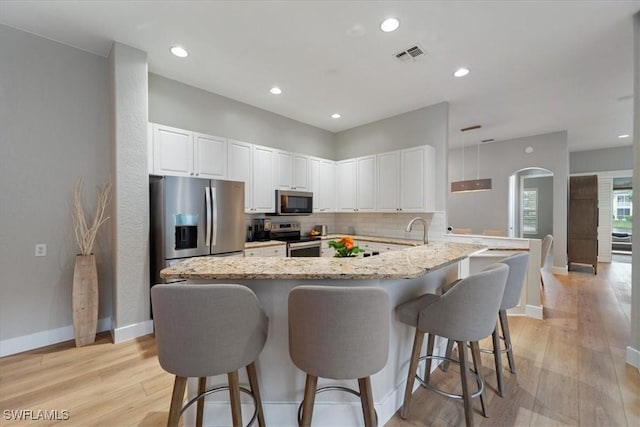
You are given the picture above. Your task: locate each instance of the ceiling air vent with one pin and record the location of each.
(412, 53)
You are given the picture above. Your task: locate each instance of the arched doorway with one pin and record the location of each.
(531, 203)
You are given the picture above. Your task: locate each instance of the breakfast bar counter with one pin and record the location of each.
(403, 274)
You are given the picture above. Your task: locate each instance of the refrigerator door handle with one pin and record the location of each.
(214, 204)
(207, 202)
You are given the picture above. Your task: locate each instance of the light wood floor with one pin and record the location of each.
(571, 370)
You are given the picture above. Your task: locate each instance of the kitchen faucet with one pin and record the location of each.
(424, 228)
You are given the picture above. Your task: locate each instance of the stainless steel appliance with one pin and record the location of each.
(194, 217)
(322, 229)
(294, 202)
(261, 229)
(297, 246)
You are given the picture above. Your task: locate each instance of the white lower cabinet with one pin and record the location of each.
(279, 251)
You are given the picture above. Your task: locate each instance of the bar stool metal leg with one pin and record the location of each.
(253, 383)
(477, 363)
(466, 395)
(427, 362)
(497, 357)
(179, 385)
(366, 398)
(504, 322)
(234, 393)
(202, 387)
(411, 376)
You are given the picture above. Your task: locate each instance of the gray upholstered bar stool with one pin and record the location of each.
(517, 272)
(465, 313)
(208, 330)
(339, 333)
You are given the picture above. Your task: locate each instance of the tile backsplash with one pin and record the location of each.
(369, 224)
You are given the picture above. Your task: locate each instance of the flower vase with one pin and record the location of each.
(85, 300)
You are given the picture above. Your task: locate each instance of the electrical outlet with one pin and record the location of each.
(41, 249)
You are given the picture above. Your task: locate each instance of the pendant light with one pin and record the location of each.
(471, 185)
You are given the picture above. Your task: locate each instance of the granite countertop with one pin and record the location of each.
(263, 244)
(392, 240)
(402, 264)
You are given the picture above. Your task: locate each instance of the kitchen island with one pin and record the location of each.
(403, 274)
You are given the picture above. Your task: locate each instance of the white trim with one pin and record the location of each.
(44, 338)
(562, 271)
(130, 332)
(633, 357)
(533, 311)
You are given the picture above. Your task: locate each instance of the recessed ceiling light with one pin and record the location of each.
(461, 72)
(179, 51)
(275, 90)
(623, 136)
(336, 116)
(389, 25)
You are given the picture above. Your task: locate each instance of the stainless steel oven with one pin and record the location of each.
(309, 248)
(297, 246)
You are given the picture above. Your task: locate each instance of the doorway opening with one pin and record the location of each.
(531, 203)
(622, 216)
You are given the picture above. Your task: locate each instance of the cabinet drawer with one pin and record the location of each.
(279, 251)
(252, 252)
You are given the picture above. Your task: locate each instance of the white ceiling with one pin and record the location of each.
(536, 66)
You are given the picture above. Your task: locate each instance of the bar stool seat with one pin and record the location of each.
(465, 313)
(207, 330)
(339, 333)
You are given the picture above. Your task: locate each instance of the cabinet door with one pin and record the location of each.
(388, 182)
(328, 185)
(239, 165)
(366, 184)
(264, 196)
(210, 156)
(346, 185)
(417, 179)
(300, 173)
(172, 151)
(315, 182)
(283, 170)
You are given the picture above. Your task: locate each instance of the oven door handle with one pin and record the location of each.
(303, 245)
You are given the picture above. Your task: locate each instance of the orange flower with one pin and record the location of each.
(348, 245)
(347, 240)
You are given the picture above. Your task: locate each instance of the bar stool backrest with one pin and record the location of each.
(517, 272)
(206, 330)
(468, 311)
(339, 332)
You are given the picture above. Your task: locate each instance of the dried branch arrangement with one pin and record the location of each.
(85, 233)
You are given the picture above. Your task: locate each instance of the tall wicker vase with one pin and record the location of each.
(85, 300)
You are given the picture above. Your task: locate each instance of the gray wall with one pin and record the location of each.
(634, 345)
(54, 128)
(499, 160)
(176, 104)
(426, 126)
(544, 185)
(603, 160)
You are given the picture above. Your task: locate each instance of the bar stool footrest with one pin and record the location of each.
(332, 388)
(441, 392)
(507, 347)
(223, 388)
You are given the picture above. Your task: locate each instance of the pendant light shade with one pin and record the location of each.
(471, 185)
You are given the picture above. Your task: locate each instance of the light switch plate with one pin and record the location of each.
(41, 249)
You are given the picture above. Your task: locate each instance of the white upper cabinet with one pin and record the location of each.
(366, 184)
(388, 178)
(356, 184)
(292, 171)
(322, 184)
(172, 151)
(210, 156)
(406, 180)
(264, 196)
(346, 185)
(417, 179)
(181, 152)
(239, 166)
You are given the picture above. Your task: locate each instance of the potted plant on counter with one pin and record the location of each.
(85, 273)
(345, 247)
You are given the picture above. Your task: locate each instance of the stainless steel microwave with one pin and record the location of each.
(294, 202)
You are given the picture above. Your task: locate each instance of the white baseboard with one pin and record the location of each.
(44, 338)
(534, 311)
(563, 271)
(633, 357)
(130, 332)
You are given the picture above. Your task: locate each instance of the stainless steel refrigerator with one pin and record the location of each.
(193, 217)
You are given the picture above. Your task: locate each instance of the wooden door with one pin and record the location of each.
(583, 221)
